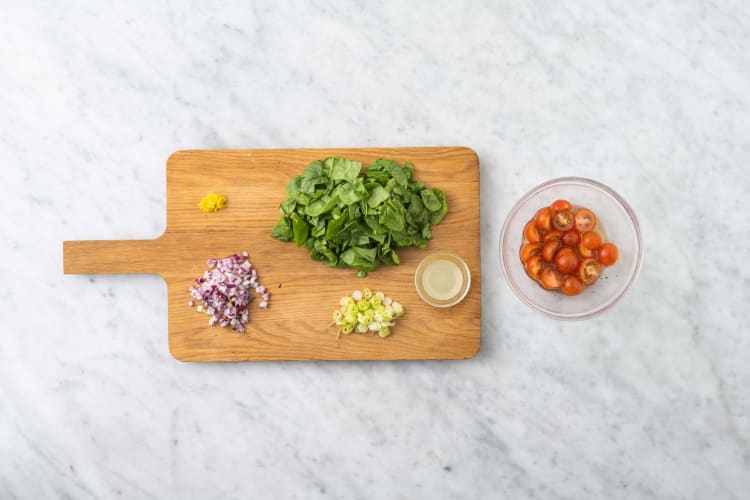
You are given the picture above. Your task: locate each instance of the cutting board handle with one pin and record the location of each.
(111, 256)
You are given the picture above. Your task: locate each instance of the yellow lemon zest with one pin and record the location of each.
(212, 203)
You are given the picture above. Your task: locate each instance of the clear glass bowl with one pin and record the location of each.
(618, 223)
(462, 280)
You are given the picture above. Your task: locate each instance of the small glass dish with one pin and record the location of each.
(442, 279)
(618, 223)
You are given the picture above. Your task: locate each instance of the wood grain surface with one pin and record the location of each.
(304, 292)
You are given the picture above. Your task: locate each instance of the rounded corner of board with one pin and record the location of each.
(475, 350)
(176, 355)
(175, 155)
(470, 152)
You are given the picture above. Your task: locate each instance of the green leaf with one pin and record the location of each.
(394, 170)
(302, 198)
(389, 256)
(287, 206)
(347, 217)
(363, 265)
(368, 254)
(334, 225)
(416, 186)
(342, 169)
(309, 186)
(438, 215)
(378, 174)
(283, 230)
(409, 170)
(320, 206)
(380, 238)
(430, 200)
(418, 212)
(301, 229)
(293, 186)
(347, 193)
(329, 257)
(313, 170)
(377, 227)
(402, 239)
(361, 239)
(348, 257)
(377, 196)
(318, 231)
(392, 216)
(394, 257)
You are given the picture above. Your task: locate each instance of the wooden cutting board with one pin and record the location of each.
(304, 292)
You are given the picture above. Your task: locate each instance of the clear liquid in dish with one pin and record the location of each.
(442, 279)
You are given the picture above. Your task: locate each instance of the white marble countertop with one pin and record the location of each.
(649, 400)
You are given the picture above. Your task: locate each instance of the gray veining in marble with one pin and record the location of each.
(647, 401)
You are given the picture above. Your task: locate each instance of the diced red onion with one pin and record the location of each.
(225, 291)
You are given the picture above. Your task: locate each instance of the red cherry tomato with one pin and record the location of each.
(563, 220)
(566, 260)
(585, 220)
(551, 278)
(571, 238)
(585, 252)
(561, 251)
(534, 266)
(558, 205)
(572, 285)
(608, 254)
(589, 271)
(591, 240)
(529, 250)
(552, 236)
(532, 233)
(549, 249)
(543, 218)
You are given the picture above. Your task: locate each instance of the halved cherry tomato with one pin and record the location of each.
(563, 220)
(585, 220)
(565, 237)
(552, 236)
(585, 252)
(572, 285)
(529, 250)
(608, 254)
(549, 249)
(589, 271)
(558, 205)
(591, 240)
(543, 218)
(551, 278)
(532, 233)
(566, 260)
(534, 266)
(571, 238)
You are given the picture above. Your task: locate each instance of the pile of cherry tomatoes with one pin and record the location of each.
(563, 250)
